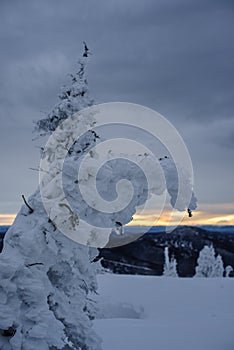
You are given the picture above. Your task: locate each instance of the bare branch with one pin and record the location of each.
(25, 202)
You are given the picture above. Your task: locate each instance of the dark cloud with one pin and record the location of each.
(173, 56)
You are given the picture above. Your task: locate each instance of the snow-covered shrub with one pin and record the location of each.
(228, 271)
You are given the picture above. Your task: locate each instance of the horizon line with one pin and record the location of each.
(199, 219)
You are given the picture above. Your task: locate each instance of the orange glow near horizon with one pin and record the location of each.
(199, 218)
(7, 219)
(208, 214)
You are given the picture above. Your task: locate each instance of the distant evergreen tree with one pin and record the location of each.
(205, 262)
(218, 267)
(170, 265)
(208, 265)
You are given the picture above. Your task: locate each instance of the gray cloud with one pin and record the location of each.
(173, 56)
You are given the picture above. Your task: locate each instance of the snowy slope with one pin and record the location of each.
(146, 312)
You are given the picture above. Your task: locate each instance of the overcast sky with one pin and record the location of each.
(173, 56)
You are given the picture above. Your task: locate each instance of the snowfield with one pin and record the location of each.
(150, 313)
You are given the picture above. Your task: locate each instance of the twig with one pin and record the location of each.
(51, 222)
(28, 265)
(190, 214)
(25, 202)
(34, 169)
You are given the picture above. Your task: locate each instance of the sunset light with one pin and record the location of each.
(216, 214)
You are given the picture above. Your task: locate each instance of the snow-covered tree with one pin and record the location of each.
(218, 269)
(205, 262)
(208, 265)
(46, 278)
(170, 265)
(73, 98)
(228, 271)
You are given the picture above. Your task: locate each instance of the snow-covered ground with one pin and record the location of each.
(150, 313)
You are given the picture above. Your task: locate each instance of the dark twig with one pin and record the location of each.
(86, 50)
(51, 222)
(28, 265)
(190, 214)
(25, 202)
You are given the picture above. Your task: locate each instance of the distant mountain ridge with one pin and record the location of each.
(3, 229)
(146, 255)
(154, 229)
